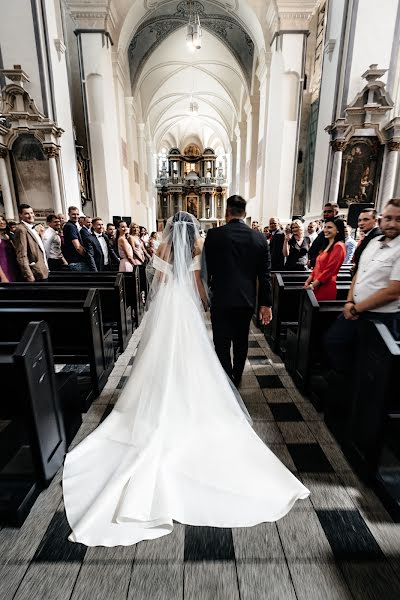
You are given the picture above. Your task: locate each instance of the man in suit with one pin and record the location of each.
(331, 211)
(368, 225)
(31, 255)
(86, 228)
(276, 244)
(236, 258)
(101, 255)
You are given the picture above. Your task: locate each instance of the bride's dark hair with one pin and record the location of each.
(184, 217)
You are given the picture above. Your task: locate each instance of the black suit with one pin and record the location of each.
(236, 257)
(363, 244)
(276, 250)
(95, 256)
(316, 247)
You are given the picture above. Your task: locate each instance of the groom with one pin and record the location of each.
(237, 257)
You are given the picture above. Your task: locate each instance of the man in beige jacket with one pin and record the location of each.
(29, 248)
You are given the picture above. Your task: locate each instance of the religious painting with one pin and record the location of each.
(192, 205)
(31, 173)
(358, 177)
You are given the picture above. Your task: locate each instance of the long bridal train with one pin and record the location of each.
(177, 445)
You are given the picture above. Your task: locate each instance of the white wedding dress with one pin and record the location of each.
(178, 444)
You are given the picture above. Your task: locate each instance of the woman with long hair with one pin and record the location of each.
(296, 247)
(125, 250)
(137, 245)
(323, 277)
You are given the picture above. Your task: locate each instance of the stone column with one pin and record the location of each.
(202, 211)
(390, 171)
(52, 153)
(180, 200)
(338, 148)
(242, 143)
(5, 185)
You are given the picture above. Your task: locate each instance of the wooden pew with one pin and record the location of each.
(32, 445)
(367, 423)
(315, 318)
(131, 283)
(75, 327)
(112, 297)
(286, 298)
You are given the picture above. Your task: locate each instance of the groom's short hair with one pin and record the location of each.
(236, 205)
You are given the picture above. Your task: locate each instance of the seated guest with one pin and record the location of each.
(276, 239)
(350, 244)
(52, 243)
(73, 250)
(100, 254)
(31, 255)
(374, 293)
(296, 247)
(323, 277)
(8, 258)
(125, 249)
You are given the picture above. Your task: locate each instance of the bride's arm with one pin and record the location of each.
(201, 289)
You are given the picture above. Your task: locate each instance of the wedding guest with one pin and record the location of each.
(125, 249)
(111, 233)
(100, 254)
(323, 277)
(312, 230)
(8, 259)
(350, 243)
(62, 218)
(330, 211)
(154, 243)
(3, 277)
(31, 255)
(137, 245)
(52, 243)
(86, 228)
(296, 247)
(73, 249)
(369, 229)
(12, 227)
(276, 240)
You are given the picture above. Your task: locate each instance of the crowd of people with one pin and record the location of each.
(28, 250)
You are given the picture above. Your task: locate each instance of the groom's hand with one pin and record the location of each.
(265, 314)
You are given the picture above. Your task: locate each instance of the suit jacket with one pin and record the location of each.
(276, 250)
(236, 258)
(363, 244)
(29, 254)
(316, 247)
(84, 233)
(95, 256)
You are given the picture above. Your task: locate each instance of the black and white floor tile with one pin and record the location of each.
(339, 544)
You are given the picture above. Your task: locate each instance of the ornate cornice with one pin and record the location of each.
(338, 145)
(394, 146)
(52, 151)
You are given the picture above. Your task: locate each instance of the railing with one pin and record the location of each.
(171, 181)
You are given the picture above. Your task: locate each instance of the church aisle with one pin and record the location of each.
(338, 544)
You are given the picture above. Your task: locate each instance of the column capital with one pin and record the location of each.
(338, 145)
(3, 152)
(52, 151)
(93, 15)
(393, 146)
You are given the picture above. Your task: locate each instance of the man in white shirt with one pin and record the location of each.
(374, 292)
(312, 232)
(52, 243)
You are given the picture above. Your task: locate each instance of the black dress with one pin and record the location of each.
(298, 255)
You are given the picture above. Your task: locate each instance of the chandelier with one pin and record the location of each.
(193, 30)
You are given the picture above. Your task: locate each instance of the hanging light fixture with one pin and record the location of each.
(193, 30)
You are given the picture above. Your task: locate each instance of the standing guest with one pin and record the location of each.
(267, 233)
(368, 226)
(31, 255)
(137, 245)
(111, 234)
(61, 216)
(125, 249)
(52, 243)
(73, 250)
(40, 228)
(143, 234)
(100, 254)
(154, 243)
(374, 292)
(80, 222)
(331, 211)
(254, 225)
(350, 244)
(12, 227)
(86, 228)
(276, 240)
(296, 247)
(3, 277)
(312, 230)
(323, 277)
(237, 258)
(8, 259)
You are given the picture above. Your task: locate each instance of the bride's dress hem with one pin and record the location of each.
(168, 527)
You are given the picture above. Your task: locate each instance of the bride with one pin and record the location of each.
(179, 444)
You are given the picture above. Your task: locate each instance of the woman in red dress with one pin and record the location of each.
(323, 277)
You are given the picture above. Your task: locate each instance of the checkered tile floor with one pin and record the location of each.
(338, 544)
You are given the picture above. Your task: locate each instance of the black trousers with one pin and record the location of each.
(55, 264)
(231, 328)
